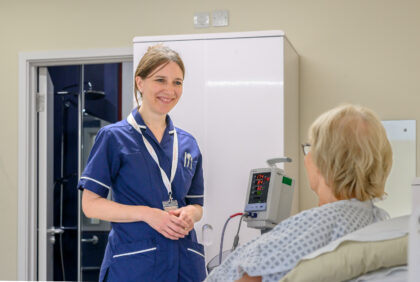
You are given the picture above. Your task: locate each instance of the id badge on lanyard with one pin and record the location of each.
(171, 204)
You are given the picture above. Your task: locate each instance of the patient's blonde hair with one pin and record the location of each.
(351, 150)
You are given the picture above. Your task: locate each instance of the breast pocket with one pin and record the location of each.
(133, 262)
(188, 171)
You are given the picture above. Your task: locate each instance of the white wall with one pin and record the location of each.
(355, 51)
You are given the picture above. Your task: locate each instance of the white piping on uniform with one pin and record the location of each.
(94, 180)
(134, 253)
(142, 126)
(172, 131)
(194, 251)
(194, 196)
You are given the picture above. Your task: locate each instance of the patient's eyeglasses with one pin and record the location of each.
(306, 148)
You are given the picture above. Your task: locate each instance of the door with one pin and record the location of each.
(99, 105)
(46, 231)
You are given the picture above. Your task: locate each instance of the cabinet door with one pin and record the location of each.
(244, 94)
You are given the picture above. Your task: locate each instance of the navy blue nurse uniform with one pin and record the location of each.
(119, 161)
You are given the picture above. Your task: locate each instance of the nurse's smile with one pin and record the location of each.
(165, 100)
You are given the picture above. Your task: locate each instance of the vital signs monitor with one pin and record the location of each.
(269, 197)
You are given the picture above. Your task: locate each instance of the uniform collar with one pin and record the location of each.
(137, 116)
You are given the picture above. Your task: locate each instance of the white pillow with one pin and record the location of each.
(379, 245)
(351, 259)
(382, 230)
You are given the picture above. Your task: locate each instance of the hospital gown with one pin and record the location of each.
(275, 253)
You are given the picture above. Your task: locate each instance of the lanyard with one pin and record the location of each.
(153, 154)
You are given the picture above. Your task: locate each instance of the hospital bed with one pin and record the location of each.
(384, 251)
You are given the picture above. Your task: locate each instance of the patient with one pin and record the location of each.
(348, 159)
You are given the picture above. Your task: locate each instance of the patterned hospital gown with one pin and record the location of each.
(275, 253)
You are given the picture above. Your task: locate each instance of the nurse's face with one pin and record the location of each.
(162, 89)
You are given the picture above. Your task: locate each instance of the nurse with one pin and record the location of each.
(154, 171)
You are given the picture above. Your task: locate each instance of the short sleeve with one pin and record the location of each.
(195, 194)
(102, 165)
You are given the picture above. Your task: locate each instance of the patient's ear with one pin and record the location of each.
(247, 278)
(312, 172)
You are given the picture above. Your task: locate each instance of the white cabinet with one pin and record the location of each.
(240, 101)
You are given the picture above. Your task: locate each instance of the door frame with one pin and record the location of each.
(27, 140)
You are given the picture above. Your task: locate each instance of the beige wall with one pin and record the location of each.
(355, 51)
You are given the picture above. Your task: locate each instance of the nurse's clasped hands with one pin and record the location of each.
(167, 224)
(190, 214)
